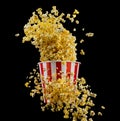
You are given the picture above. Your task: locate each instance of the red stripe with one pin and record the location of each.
(43, 84)
(58, 70)
(68, 69)
(75, 73)
(42, 70)
(42, 80)
(49, 71)
(78, 69)
(42, 74)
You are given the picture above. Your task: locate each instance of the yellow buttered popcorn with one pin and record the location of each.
(82, 52)
(89, 34)
(47, 33)
(54, 42)
(75, 102)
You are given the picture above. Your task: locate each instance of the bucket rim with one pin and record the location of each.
(58, 61)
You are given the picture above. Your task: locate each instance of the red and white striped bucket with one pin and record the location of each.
(53, 70)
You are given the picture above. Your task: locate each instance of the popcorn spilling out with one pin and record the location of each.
(55, 70)
(55, 79)
(76, 103)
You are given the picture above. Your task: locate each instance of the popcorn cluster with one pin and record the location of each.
(46, 32)
(75, 102)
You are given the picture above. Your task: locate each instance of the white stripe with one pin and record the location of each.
(77, 71)
(72, 71)
(53, 70)
(63, 69)
(40, 69)
(45, 71)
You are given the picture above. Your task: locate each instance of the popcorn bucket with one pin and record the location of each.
(53, 70)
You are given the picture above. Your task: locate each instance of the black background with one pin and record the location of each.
(22, 58)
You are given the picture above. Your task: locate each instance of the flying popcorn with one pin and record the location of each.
(47, 33)
(55, 79)
(82, 52)
(17, 35)
(89, 34)
(82, 40)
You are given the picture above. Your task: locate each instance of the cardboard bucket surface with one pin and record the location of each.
(53, 70)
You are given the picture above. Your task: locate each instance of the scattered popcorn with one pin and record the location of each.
(83, 29)
(92, 113)
(74, 29)
(77, 22)
(76, 11)
(27, 84)
(75, 102)
(68, 15)
(82, 40)
(17, 35)
(103, 107)
(90, 119)
(99, 113)
(89, 34)
(54, 42)
(82, 52)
